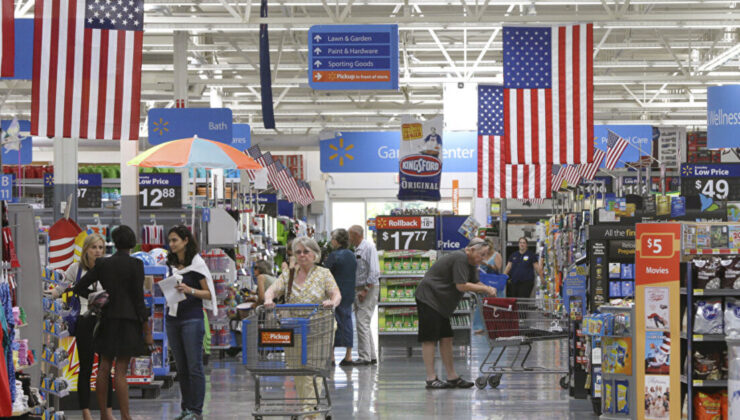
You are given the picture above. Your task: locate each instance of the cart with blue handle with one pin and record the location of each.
(289, 340)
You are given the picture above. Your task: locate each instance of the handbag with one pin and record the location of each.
(291, 275)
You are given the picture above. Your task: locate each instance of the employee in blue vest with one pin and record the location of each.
(520, 269)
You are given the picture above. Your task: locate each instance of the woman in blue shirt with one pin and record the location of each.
(342, 263)
(520, 269)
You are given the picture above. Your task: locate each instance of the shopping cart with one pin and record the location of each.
(513, 324)
(289, 340)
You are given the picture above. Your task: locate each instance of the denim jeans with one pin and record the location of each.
(185, 338)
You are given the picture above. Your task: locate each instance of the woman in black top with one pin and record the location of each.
(185, 324)
(124, 330)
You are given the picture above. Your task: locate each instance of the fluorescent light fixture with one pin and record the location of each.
(720, 59)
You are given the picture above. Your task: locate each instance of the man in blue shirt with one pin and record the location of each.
(520, 269)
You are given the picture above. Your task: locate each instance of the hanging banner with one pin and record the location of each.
(420, 159)
(723, 116)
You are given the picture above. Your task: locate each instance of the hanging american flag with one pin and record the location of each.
(7, 32)
(309, 191)
(496, 179)
(548, 94)
(266, 161)
(284, 178)
(305, 200)
(87, 68)
(588, 171)
(557, 178)
(615, 147)
(572, 175)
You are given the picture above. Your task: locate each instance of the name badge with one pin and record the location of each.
(526, 258)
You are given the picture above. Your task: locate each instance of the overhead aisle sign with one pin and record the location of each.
(167, 124)
(357, 57)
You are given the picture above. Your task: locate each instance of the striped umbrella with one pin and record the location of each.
(194, 153)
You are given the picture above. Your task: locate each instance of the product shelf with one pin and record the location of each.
(705, 383)
(61, 394)
(704, 337)
(403, 274)
(713, 292)
(712, 251)
(24, 367)
(59, 366)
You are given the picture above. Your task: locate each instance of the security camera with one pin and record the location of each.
(460, 85)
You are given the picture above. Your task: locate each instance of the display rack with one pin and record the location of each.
(691, 339)
(53, 383)
(618, 364)
(157, 305)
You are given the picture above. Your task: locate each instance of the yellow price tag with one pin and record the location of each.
(699, 292)
(698, 337)
(698, 382)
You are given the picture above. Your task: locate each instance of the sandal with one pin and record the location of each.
(460, 383)
(437, 384)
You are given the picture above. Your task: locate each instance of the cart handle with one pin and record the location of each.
(298, 305)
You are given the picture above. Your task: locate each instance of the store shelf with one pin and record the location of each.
(61, 394)
(713, 292)
(705, 337)
(415, 332)
(159, 335)
(59, 366)
(65, 334)
(24, 367)
(21, 326)
(398, 303)
(21, 413)
(403, 275)
(712, 251)
(700, 383)
(220, 347)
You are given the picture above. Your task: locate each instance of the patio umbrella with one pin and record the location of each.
(194, 153)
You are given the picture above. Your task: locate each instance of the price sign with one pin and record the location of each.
(6, 187)
(89, 190)
(657, 254)
(657, 246)
(406, 232)
(157, 191)
(267, 204)
(718, 182)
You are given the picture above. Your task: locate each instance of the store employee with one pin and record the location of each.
(520, 269)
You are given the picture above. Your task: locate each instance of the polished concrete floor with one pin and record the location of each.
(394, 390)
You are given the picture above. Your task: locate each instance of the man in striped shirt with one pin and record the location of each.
(366, 287)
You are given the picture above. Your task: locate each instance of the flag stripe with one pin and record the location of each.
(118, 79)
(135, 92)
(589, 86)
(7, 63)
(576, 100)
(68, 42)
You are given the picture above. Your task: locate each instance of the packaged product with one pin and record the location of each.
(734, 236)
(703, 239)
(724, 404)
(608, 397)
(415, 321)
(627, 272)
(392, 292)
(622, 324)
(628, 288)
(708, 317)
(707, 406)
(389, 322)
(615, 289)
(731, 273)
(398, 322)
(623, 399)
(706, 365)
(708, 272)
(615, 270)
(388, 265)
(406, 265)
(397, 265)
(425, 264)
(719, 236)
(415, 264)
(410, 289)
(732, 316)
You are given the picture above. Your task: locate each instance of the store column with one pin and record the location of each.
(180, 90)
(129, 186)
(65, 176)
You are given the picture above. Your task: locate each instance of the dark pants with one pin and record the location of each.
(520, 289)
(185, 338)
(86, 356)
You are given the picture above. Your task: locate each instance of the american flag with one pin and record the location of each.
(305, 196)
(615, 147)
(496, 179)
(284, 177)
(572, 175)
(7, 50)
(265, 161)
(87, 68)
(557, 179)
(588, 171)
(548, 94)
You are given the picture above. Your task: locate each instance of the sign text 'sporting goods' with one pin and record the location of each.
(420, 160)
(406, 232)
(158, 191)
(378, 151)
(353, 57)
(723, 116)
(167, 124)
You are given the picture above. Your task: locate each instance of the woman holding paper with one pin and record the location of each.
(185, 324)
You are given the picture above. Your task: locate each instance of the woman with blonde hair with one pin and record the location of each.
(92, 248)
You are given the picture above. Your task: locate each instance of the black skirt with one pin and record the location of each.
(120, 338)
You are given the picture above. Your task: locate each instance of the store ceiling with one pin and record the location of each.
(653, 59)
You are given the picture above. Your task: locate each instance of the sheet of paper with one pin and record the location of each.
(171, 294)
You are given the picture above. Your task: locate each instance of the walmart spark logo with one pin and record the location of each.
(341, 150)
(161, 126)
(687, 170)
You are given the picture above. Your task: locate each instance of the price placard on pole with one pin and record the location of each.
(718, 181)
(89, 190)
(157, 191)
(6, 187)
(406, 232)
(267, 204)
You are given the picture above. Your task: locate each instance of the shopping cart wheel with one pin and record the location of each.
(328, 416)
(564, 382)
(494, 381)
(480, 382)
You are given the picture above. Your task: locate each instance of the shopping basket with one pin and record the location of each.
(514, 324)
(289, 340)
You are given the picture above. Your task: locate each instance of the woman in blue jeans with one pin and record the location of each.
(185, 324)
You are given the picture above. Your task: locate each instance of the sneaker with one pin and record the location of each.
(374, 362)
(182, 415)
(193, 416)
(346, 362)
(359, 362)
(437, 384)
(460, 383)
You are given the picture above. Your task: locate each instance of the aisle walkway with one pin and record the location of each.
(392, 390)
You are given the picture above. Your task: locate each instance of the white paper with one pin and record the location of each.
(260, 179)
(171, 294)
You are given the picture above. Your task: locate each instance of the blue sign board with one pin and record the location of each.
(23, 67)
(285, 208)
(20, 153)
(89, 180)
(241, 136)
(356, 57)
(377, 151)
(723, 116)
(678, 206)
(448, 236)
(160, 180)
(6, 187)
(575, 290)
(640, 136)
(167, 124)
(206, 214)
(717, 170)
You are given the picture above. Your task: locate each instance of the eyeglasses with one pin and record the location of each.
(304, 252)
